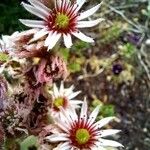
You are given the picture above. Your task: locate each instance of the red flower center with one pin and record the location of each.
(59, 102)
(82, 135)
(63, 18)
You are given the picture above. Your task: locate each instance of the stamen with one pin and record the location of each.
(58, 102)
(64, 17)
(62, 21)
(82, 136)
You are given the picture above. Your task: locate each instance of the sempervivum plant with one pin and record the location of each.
(83, 132)
(30, 101)
(64, 20)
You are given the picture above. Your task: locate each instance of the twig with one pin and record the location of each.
(125, 18)
(127, 6)
(143, 64)
(90, 75)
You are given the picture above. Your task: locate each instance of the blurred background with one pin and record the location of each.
(10, 11)
(115, 71)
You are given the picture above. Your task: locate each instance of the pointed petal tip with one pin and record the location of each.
(89, 12)
(85, 99)
(102, 2)
(20, 20)
(83, 37)
(22, 3)
(110, 143)
(101, 19)
(98, 107)
(79, 92)
(67, 40)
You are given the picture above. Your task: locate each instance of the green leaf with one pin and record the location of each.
(64, 52)
(29, 142)
(74, 67)
(79, 47)
(107, 110)
(128, 50)
(97, 102)
(111, 34)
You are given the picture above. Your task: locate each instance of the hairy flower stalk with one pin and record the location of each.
(62, 21)
(83, 133)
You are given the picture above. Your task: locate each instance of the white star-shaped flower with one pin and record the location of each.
(62, 21)
(83, 132)
(63, 97)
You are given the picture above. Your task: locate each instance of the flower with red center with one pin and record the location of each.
(83, 133)
(63, 97)
(64, 20)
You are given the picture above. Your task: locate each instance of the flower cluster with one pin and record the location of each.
(31, 103)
